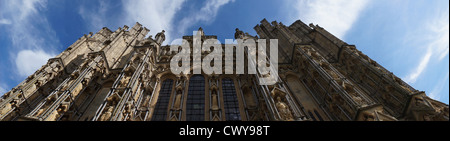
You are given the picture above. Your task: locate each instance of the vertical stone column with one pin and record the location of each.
(344, 99)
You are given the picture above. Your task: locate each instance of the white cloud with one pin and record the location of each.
(436, 40)
(336, 16)
(5, 21)
(154, 14)
(436, 93)
(29, 61)
(412, 77)
(96, 18)
(161, 17)
(206, 14)
(30, 35)
(2, 89)
(439, 28)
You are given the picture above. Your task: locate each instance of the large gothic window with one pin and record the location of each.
(196, 99)
(160, 112)
(230, 100)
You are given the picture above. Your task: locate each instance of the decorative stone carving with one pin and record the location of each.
(375, 114)
(423, 108)
(177, 104)
(344, 88)
(124, 81)
(215, 105)
(284, 110)
(238, 34)
(160, 37)
(107, 115)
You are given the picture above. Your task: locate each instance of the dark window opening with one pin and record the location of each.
(195, 106)
(160, 112)
(230, 100)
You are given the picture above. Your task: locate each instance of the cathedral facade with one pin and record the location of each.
(124, 76)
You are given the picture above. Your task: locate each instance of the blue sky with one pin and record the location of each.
(408, 37)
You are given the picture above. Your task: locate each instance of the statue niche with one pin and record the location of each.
(280, 103)
(112, 100)
(215, 106)
(284, 111)
(177, 105)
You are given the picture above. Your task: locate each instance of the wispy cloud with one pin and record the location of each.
(412, 77)
(337, 16)
(154, 14)
(436, 92)
(2, 89)
(439, 28)
(436, 38)
(96, 18)
(5, 21)
(30, 34)
(205, 14)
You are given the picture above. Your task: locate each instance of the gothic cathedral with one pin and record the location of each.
(124, 76)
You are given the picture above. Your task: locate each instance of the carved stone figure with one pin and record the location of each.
(239, 34)
(160, 37)
(214, 106)
(318, 73)
(284, 110)
(107, 115)
(124, 81)
(87, 78)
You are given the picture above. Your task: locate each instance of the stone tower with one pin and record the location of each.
(123, 76)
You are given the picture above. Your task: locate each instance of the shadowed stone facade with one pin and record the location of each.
(123, 76)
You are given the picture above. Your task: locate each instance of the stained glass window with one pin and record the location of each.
(195, 106)
(230, 100)
(160, 112)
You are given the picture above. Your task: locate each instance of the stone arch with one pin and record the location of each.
(164, 74)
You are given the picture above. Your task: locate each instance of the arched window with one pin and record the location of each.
(230, 100)
(195, 106)
(160, 112)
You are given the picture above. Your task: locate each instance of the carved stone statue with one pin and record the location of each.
(214, 106)
(87, 79)
(124, 82)
(177, 101)
(128, 107)
(107, 114)
(160, 37)
(284, 110)
(61, 110)
(145, 101)
(239, 34)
